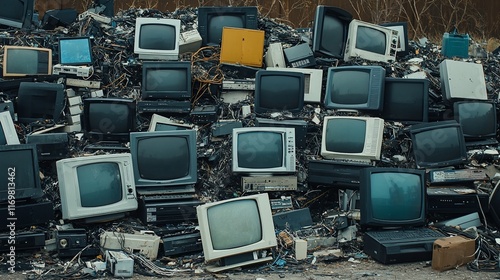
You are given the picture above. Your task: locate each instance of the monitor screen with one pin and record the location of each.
(109, 119)
(8, 133)
(406, 100)
(157, 38)
(438, 144)
(40, 101)
(371, 40)
(211, 21)
(17, 13)
(313, 80)
(23, 61)
(331, 25)
(392, 197)
(166, 80)
(352, 138)
(235, 227)
(277, 91)
(164, 158)
(355, 87)
(469, 114)
(20, 173)
(264, 150)
(75, 51)
(97, 188)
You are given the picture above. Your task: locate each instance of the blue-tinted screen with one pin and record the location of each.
(437, 145)
(75, 51)
(279, 92)
(404, 101)
(37, 104)
(100, 184)
(371, 40)
(345, 135)
(157, 37)
(332, 35)
(260, 149)
(350, 87)
(163, 158)
(25, 176)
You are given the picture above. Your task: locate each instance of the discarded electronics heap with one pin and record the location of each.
(222, 139)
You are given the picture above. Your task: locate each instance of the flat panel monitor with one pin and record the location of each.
(8, 133)
(478, 120)
(331, 26)
(313, 79)
(166, 80)
(40, 101)
(157, 38)
(17, 13)
(20, 179)
(75, 51)
(263, 150)
(21, 61)
(161, 123)
(236, 231)
(371, 42)
(277, 91)
(96, 188)
(352, 138)
(402, 28)
(438, 144)
(406, 100)
(392, 197)
(109, 119)
(462, 80)
(211, 21)
(163, 159)
(355, 88)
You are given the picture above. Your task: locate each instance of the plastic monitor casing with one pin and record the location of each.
(83, 51)
(288, 160)
(462, 80)
(71, 206)
(322, 37)
(353, 51)
(313, 79)
(372, 142)
(47, 65)
(151, 54)
(263, 91)
(157, 120)
(9, 130)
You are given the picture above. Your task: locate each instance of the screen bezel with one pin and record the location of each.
(166, 94)
(89, 44)
(5, 72)
(366, 206)
(319, 18)
(425, 99)
(27, 89)
(25, 21)
(259, 90)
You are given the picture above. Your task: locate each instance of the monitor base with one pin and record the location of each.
(215, 268)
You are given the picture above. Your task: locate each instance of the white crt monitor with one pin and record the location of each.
(313, 79)
(462, 80)
(371, 42)
(8, 134)
(236, 230)
(352, 138)
(96, 188)
(157, 38)
(161, 123)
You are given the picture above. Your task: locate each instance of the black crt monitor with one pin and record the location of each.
(109, 119)
(211, 21)
(406, 100)
(17, 13)
(75, 51)
(438, 144)
(166, 80)
(20, 173)
(277, 91)
(392, 197)
(39, 102)
(402, 27)
(331, 26)
(478, 120)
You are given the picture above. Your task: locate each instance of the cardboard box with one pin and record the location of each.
(452, 252)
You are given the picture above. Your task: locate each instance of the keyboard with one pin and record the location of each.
(404, 234)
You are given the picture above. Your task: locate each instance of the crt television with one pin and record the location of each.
(164, 159)
(277, 91)
(331, 26)
(157, 38)
(161, 123)
(406, 100)
(438, 144)
(19, 179)
(352, 138)
(21, 61)
(96, 188)
(263, 150)
(211, 21)
(236, 231)
(40, 101)
(355, 88)
(17, 13)
(313, 80)
(478, 120)
(109, 119)
(392, 197)
(371, 42)
(8, 133)
(75, 51)
(166, 80)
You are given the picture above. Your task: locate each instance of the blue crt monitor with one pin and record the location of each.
(277, 91)
(75, 51)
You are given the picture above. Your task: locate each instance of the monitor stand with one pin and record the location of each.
(238, 261)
